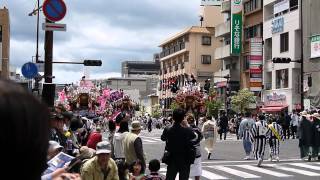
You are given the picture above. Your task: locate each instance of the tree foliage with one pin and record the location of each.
(213, 104)
(156, 111)
(241, 101)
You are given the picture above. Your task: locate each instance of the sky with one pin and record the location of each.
(110, 30)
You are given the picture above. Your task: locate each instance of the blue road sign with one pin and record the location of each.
(29, 70)
(54, 10)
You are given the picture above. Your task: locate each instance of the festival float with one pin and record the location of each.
(86, 97)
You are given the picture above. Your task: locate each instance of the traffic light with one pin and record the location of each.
(281, 60)
(92, 62)
(309, 81)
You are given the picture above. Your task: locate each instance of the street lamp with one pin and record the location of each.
(37, 12)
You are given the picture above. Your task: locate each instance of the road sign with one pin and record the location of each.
(54, 27)
(29, 70)
(54, 10)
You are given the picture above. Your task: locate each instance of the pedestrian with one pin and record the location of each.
(94, 138)
(149, 123)
(305, 134)
(275, 136)
(209, 131)
(118, 141)
(237, 124)
(286, 125)
(137, 170)
(85, 154)
(196, 168)
(25, 134)
(132, 145)
(245, 127)
(179, 147)
(102, 166)
(316, 136)
(56, 131)
(154, 167)
(223, 126)
(294, 124)
(259, 133)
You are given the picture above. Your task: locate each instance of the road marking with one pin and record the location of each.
(243, 161)
(263, 170)
(212, 176)
(298, 171)
(148, 141)
(156, 139)
(306, 166)
(235, 172)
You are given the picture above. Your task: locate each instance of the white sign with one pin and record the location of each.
(307, 104)
(315, 46)
(277, 25)
(54, 27)
(211, 2)
(281, 6)
(236, 6)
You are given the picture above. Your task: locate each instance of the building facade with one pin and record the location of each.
(190, 52)
(252, 28)
(141, 68)
(4, 43)
(311, 51)
(281, 36)
(230, 61)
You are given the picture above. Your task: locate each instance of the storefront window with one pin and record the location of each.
(282, 78)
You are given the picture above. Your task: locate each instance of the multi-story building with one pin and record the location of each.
(252, 28)
(141, 68)
(230, 61)
(311, 49)
(4, 42)
(281, 36)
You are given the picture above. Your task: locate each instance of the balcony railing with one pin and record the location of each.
(225, 6)
(172, 50)
(222, 52)
(268, 85)
(223, 29)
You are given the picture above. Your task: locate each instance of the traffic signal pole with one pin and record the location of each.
(48, 50)
(301, 67)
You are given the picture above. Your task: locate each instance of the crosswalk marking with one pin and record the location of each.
(235, 172)
(264, 171)
(294, 170)
(211, 176)
(149, 141)
(306, 166)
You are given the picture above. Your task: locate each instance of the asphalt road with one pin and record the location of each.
(228, 163)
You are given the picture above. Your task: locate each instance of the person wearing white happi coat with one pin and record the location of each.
(258, 134)
(209, 131)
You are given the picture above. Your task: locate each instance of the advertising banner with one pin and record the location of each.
(315, 46)
(236, 27)
(211, 2)
(281, 6)
(256, 63)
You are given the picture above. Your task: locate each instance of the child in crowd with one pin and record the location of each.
(154, 167)
(137, 171)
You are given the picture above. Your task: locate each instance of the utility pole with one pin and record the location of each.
(38, 16)
(302, 61)
(48, 87)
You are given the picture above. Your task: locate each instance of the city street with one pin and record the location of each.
(228, 163)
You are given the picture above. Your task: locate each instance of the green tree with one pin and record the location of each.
(156, 111)
(174, 105)
(241, 101)
(213, 104)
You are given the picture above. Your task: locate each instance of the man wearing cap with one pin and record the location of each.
(132, 145)
(100, 167)
(305, 136)
(56, 131)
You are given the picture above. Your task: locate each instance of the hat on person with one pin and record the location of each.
(304, 113)
(86, 152)
(316, 115)
(135, 125)
(54, 145)
(103, 147)
(67, 114)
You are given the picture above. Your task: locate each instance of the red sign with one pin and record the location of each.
(54, 10)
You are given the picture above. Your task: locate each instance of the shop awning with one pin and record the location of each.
(273, 108)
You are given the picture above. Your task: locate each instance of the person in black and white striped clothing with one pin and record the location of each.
(275, 136)
(244, 133)
(259, 133)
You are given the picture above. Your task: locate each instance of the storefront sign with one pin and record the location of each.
(256, 64)
(315, 46)
(211, 2)
(275, 99)
(281, 6)
(277, 25)
(236, 26)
